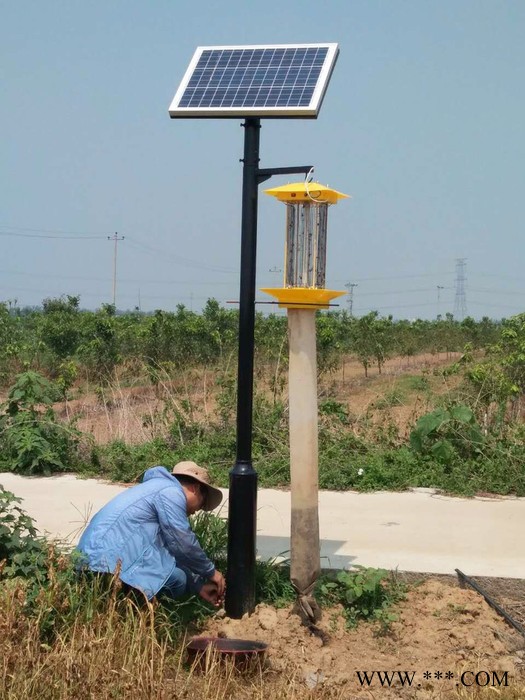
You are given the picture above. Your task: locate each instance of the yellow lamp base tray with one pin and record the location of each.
(302, 297)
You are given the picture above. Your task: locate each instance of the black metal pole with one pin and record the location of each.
(240, 589)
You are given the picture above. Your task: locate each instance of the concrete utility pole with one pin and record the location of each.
(439, 288)
(115, 237)
(302, 391)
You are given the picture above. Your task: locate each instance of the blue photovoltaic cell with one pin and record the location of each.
(261, 78)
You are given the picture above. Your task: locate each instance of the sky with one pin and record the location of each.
(422, 124)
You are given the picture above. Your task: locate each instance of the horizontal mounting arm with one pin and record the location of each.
(266, 173)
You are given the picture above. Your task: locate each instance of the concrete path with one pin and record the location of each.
(412, 531)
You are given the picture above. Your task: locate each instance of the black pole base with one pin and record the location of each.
(242, 509)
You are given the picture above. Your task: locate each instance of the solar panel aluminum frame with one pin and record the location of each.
(310, 111)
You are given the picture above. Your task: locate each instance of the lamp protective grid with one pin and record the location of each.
(306, 227)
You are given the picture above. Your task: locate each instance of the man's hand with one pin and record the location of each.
(209, 593)
(218, 580)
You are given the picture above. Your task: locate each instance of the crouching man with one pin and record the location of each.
(144, 534)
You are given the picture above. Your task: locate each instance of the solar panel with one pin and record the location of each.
(260, 81)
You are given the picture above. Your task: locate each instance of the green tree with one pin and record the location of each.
(99, 349)
(220, 331)
(59, 328)
(500, 377)
(11, 342)
(372, 339)
(511, 350)
(329, 341)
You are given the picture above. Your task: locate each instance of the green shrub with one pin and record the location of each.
(446, 433)
(212, 533)
(395, 397)
(21, 550)
(32, 441)
(123, 462)
(416, 382)
(365, 594)
(335, 409)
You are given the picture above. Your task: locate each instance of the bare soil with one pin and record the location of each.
(442, 629)
(135, 414)
(443, 634)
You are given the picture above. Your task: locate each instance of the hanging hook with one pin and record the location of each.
(307, 181)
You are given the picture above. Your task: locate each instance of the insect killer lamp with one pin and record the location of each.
(302, 294)
(305, 246)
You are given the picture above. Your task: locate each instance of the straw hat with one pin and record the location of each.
(213, 495)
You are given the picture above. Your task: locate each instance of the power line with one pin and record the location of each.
(397, 277)
(396, 306)
(98, 295)
(494, 291)
(505, 277)
(389, 292)
(55, 277)
(122, 280)
(135, 280)
(189, 262)
(77, 237)
(69, 235)
(498, 306)
(47, 230)
(46, 292)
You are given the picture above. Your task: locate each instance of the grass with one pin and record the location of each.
(367, 450)
(107, 646)
(118, 649)
(63, 636)
(414, 383)
(393, 397)
(83, 660)
(68, 636)
(345, 462)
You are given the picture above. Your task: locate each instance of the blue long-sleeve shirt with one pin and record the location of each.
(146, 530)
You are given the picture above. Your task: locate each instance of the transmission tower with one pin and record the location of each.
(460, 302)
(350, 286)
